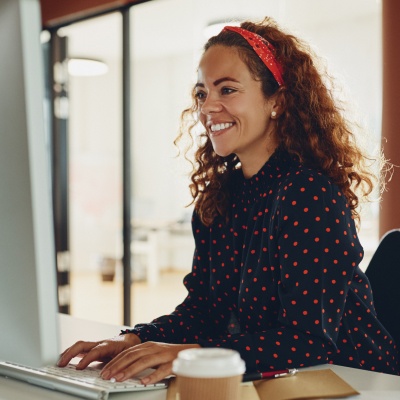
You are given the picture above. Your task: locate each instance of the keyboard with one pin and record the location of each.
(85, 383)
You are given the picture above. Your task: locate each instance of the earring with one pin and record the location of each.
(273, 114)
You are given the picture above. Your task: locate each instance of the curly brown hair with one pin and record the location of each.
(311, 127)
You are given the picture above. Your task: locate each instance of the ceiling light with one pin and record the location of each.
(86, 67)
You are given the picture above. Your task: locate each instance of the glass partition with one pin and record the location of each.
(95, 165)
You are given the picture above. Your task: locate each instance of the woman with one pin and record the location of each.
(275, 272)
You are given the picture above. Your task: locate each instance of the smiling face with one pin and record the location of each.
(234, 110)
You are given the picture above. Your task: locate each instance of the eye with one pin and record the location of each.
(227, 90)
(200, 96)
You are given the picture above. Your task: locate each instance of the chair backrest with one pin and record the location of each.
(383, 272)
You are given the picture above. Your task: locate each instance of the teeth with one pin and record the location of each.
(218, 127)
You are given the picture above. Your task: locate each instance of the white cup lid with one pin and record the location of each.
(208, 363)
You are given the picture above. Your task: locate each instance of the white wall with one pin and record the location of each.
(161, 89)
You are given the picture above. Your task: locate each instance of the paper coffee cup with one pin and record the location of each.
(208, 373)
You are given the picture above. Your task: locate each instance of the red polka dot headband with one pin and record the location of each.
(264, 50)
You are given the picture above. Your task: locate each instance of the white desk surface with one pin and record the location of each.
(371, 385)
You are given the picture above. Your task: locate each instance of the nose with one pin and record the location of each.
(210, 105)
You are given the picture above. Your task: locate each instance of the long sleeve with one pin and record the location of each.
(191, 319)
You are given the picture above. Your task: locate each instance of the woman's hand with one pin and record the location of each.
(136, 359)
(104, 350)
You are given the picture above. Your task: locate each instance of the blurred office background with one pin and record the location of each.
(166, 41)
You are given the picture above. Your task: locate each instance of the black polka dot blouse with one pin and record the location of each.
(280, 282)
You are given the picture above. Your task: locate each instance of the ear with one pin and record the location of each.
(276, 104)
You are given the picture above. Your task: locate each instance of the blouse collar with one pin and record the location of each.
(256, 186)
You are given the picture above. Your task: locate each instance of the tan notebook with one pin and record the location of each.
(304, 385)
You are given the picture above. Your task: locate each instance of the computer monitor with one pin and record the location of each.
(28, 292)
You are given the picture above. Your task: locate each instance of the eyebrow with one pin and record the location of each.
(218, 81)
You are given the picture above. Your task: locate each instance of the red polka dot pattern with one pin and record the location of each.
(280, 283)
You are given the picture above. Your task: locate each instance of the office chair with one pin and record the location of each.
(383, 272)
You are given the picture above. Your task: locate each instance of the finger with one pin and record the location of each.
(137, 361)
(79, 348)
(100, 352)
(132, 360)
(120, 362)
(160, 373)
(134, 352)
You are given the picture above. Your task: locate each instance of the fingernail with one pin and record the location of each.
(119, 377)
(145, 381)
(105, 374)
(79, 365)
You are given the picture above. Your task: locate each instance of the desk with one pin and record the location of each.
(371, 385)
